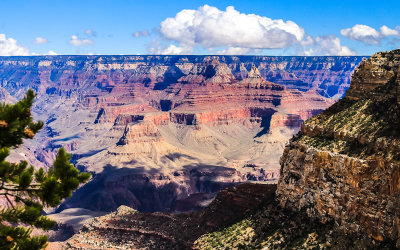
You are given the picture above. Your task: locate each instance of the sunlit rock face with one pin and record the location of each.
(344, 164)
(155, 130)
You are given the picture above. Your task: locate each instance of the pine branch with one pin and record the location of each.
(8, 199)
(26, 190)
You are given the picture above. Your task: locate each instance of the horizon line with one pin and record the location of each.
(185, 55)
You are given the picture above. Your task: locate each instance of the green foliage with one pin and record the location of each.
(236, 236)
(358, 128)
(26, 190)
(17, 123)
(19, 238)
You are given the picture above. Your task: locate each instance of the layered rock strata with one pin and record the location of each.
(169, 126)
(329, 75)
(344, 164)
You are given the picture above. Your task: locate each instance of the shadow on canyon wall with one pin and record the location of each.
(150, 190)
(179, 231)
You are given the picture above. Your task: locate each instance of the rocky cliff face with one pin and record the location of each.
(344, 164)
(247, 216)
(156, 129)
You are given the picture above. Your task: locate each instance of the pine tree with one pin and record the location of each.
(27, 191)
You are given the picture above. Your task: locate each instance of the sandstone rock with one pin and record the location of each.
(344, 163)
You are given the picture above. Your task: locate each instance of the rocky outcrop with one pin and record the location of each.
(245, 216)
(344, 164)
(376, 73)
(126, 228)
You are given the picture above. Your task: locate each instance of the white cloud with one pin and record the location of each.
(210, 27)
(307, 41)
(176, 50)
(143, 33)
(386, 31)
(362, 33)
(327, 46)
(156, 48)
(76, 41)
(232, 32)
(51, 53)
(40, 40)
(9, 47)
(90, 32)
(233, 51)
(368, 35)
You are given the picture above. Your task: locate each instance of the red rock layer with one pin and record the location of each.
(169, 114)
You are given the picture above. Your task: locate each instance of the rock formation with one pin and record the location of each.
(247, 216)
(155, 130)
(126, 228)
(344, 163)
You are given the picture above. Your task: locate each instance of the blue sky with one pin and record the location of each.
(29, 27)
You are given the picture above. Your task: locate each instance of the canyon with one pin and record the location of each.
(166, 133)
(339, 186)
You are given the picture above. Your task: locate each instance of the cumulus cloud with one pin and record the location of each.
(10, 47)
(143, 33)
(176, 50)
(367, 34)
(362, 33)
(40, 40)
(210, 27)
(232, 32)
(76, 41)
(234, 51)
(327, 46)
(156, 48)
(386, 31)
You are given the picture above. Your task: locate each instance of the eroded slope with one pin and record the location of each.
(344, 163)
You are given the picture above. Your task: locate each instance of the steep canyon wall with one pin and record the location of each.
(344, 164)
